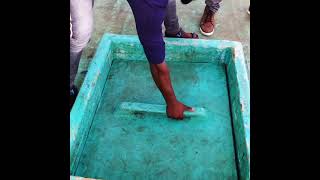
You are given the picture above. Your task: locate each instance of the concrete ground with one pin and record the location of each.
(115, 16)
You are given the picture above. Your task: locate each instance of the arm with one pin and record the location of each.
(161, 76)
(149, 19)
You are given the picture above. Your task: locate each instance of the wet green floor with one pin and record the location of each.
(151, 146)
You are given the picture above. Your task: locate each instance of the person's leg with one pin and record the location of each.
(207, 22)
(213, 5)
(81, 12)
(82, 24)
(171, 23)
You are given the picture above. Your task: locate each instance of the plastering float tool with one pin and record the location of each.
(157, 109)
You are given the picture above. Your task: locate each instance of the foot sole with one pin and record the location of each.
(206, 34)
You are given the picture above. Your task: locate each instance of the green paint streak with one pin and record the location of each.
(144, 145)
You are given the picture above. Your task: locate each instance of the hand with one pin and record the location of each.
(176, 109)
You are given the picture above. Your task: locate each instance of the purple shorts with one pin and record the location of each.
(149, 16)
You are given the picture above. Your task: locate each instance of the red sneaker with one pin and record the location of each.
(207, 22)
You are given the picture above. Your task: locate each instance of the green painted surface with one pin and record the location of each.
(110, 142)
(87, 101)
(146, 145)
(239, 94)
